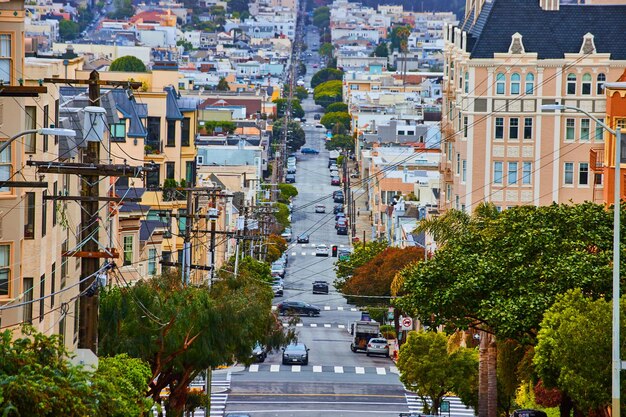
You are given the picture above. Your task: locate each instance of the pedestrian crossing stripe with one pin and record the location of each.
(457, 408)
(329, 308)
(315, 325)
(361, 370)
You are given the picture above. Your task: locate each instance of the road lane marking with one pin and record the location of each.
(274, 368)
(339, 369)
(296, 368)
(254, 368)
(312, 253)
(394, 370)
(339, 308)
(313, 324)
(285, 324)
(317, 368)
(359, 370)
(327, 325)
(331, 394)
(303, 253)
(326, 308)
(353, 309)
(299, 324)
(341, 326)
(381, 371)
(294, 253)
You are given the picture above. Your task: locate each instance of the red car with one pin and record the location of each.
(335, 181)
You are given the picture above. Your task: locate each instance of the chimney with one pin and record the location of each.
(550, 5)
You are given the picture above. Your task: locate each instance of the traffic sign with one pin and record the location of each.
(444, 407)
(407, 323)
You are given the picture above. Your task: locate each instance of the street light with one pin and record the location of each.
(615, 351)
(52, 131)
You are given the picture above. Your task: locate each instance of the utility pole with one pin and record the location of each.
(213, 221)
(186, 267)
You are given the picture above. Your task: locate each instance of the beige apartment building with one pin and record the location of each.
(506, 59)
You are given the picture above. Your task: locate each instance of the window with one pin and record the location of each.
(463, 170)
(449, 151)
(118, 131)
(30, 140)
(44, 213)
(46, 116)
(465, 125)
(154, 133)
(515, 83)
(62, 328)
(497, 172)
(500, 79)
(169, 170)
(599, 135)
(571, 83)
(457, 202)
(584, 129)
(76, 317)
(29, 216)
(598, 179)
(466, 82)
(55, 191)
(570, 129)
(42, 294)
(171, 133)
(458, 163)
(448, 192)
(583, 173)
(499, 127)
(27, 311)
(56, 118)
(53, 277)
(128, 250)
(600, 80)
(568, 170)
(185, 131)
(189, 173)
(586, 85)
(512, 173)
(530, 83)
(528, 128)
(153, 179)
(5, 167)
(182, 221)
(5, 269)
(6, 61)
(152, 255)
(513, 128)
(527, 168)
(64, 265)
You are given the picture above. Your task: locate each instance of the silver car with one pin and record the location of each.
(377, 346)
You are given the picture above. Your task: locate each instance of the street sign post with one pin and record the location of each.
(407, 323)
(444, 407)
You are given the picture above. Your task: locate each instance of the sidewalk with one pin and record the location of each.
(363, 215)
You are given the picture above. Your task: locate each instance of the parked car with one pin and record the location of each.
(290, 178)
(278, 287)
(320, 287)
(338, 197)
(286, 234)
(338, 208)
(309, 150)
(291, 160)
(291, 169)
(342, 230)
(377, 346)
(335, 181)
(303, 238)
(333, 167)
(284, 258)
(317, 116)
(259, 353)
(321, 250)
(298, 307)
(296, 353)
(341, 222)
(339, 215)
(320, 208)
(278, 269)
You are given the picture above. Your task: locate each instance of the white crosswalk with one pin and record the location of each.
(361, 370)
(330, 308)
(457, 409)
(314, 325)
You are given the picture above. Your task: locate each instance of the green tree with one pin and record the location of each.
(321, 17)
(239, 6)
(326, 74)
(282, 215)
(331, 119)
(123, 9)
(295, 134)
(337, 107)
(218, 126)
(573, 351)
(222, 85)
(296, 107)
(382, 50)
(362, 254)
(301, 93)
(187, 46)
(287, 191)
(397, 35)
(340, 142)
(181, 331)
(431, 368)
(326, 50)
(327, 93)
(128, 63)
(68, 30)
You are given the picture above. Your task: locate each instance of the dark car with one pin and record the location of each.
(341, 222)
(338, 198)
(259, 353)
(303, 238)
(309, 150)
(335, 181)
(317, 116)
(342, 230)
(320, 287)
(298, 307)
(290, 178)
(339, 215)
(338, 208)
(296, 353)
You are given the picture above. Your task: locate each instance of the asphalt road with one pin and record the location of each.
(336, 381)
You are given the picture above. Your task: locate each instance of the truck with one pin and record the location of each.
(362, 331)
(332, 158)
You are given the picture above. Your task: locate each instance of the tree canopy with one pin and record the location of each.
(287, 191)
(295, 136)
(128, 63)
(382, 50)
(362, 254)
(321, 17)
(68, 30)
(222, 85)
(337, 107)
(326, 50)
(340, 141)
(329, 120)
(326, 74)
(123, 9)
(218, 126)
(432, 368)
(301, 93)
(296, 107)
(327, 93)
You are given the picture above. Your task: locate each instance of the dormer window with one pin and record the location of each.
(6, 59)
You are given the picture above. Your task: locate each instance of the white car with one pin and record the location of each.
(320, 208)
(321, 250)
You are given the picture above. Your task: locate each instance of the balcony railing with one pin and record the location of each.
(153, 148)
(596, 159)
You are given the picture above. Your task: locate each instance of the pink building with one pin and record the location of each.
(506, 59)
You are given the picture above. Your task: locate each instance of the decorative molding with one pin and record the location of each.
(588, 46)
(517, 46)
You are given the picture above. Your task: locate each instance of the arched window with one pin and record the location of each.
(601, 79)
(515, 83)
(571, 83)
(500, 79)
(530, 83)
(452, 72)
(586, 84)
(466, 82)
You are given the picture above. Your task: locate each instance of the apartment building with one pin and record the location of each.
(506, 59)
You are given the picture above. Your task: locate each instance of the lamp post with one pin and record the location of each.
(616, 364)
(53, 131)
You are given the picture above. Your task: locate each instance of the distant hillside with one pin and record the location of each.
(456, 6)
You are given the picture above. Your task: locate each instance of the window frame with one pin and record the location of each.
(30, 140)
(586, 173)
(465, 126)
(512, 168)
(498, 133)
(9, 57)
(8, 268)
(152, 266)
(514, 128)
(516, 83)
(114, 131)
(528, 128)
(568, 172)
(30, 215)
(466, 81)
(585, 86)
(585, 129)
(128, 249)
(529, 82)
(570, 85)
(185, 127)
(600, 80)
(44, 213)
(170, 133)
(527, 171)
(570, 131)
(170, 166)
(27, 308)
(498, 179)
(463, 171)
(500, 84)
